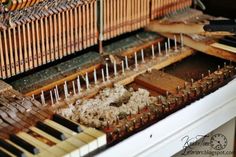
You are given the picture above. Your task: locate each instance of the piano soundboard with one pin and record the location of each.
(80, 76)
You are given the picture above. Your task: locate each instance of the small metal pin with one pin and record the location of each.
(56, 96)
(123, 67)
(115, 68)
(42, 98)
(141, 120)
(107, 72)
(153, 52)
(95, 76)
(142, 55)
(185, 85)
(202, 76)
(159, 48)
(178, 89)
(134, 123)
(73, 86)
(209, 72)
(126, 127)
(225, 64)
(126, 63)
(66, 90)
(136, 60)
(78, 85)
(57, 92)
(182, 40)
(166, 49)
(87, 80)
(51, 96)
(218, 67)
(167, 94)
(192, 81)
(103, 76)
(168, 44)
(175, 40)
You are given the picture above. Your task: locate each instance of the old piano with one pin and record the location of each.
(111, 77)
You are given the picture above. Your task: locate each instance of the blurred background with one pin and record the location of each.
(226, 8)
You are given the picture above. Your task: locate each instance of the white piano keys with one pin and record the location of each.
(89, 140)
(56, 149)
(7, 152)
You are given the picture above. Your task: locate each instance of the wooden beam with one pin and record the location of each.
(204, 46)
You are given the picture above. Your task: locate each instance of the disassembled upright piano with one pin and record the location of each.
(94, 77)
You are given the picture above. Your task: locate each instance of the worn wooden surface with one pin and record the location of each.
(159, 81)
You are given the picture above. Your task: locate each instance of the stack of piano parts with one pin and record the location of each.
(44, 33)
(33, 33)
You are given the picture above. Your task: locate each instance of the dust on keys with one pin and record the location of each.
(28, 129)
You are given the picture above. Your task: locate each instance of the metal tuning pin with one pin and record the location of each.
(78, 85)
(95, 76)
(168, 42)
(218, 67)
(51, 96)
(123, 67)
(73, 86)
(103, 75)
(115, 68)
(55, 93)
(87, 80)
(142, 55)
(181, 40)
(153, 52)
(136, 60)
(178, 89)
(42, 98)
(209, 72)
(159, 48)
(166, 49)
(107, 72)
(65, 90)
(192, 81)
(126, 63)
(175, 40)
(202, 76)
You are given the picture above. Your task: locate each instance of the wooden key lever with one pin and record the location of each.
(213, 27)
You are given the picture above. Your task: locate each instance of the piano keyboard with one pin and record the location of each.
(29, 129)
(53, 137)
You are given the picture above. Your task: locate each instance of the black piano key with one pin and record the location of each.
(67, 123)
(24, 144)
(228, 42)
(233, 38)
(53, 132)
(3, 154)
(12, 149)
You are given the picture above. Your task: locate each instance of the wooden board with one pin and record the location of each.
(159, 81)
